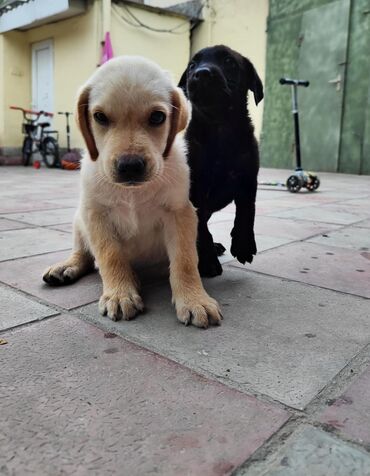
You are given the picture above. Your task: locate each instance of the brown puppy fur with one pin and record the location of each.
(130, 112)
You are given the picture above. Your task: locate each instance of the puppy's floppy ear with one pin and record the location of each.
(254, 82)
(179, 117)
(83, 121)
(183, 82)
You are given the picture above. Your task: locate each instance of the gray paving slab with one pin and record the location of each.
(331, 267)
(32, 241)
(26, 274)
(76, 402)
(325, 213)
(16, 309)
(22, 205)
(312, 452)
(221, 233)
(6, 224)
(45, 217)
(283, 339)
(350, 413)
(350, 237)
(363, 224)
(292, 229)
(67, 227)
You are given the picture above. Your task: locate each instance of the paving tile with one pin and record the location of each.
(32, 241)
(312, 452)
(279, 338)
(26, 274)
(325, 213)
(70, 202)
(18, 205)
(339, 269)
(45, 217)
(66, 227)
(350, 237)
(292, 229)
(16, 309)
(221, 233)
(11, 224)
(101, 405)
(363, 224)
(350, 413)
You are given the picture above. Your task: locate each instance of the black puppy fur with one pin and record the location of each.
(222, 149)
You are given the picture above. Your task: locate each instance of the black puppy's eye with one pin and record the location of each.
(229, 62)
(157, 118)
(101, 118)
(191, 66)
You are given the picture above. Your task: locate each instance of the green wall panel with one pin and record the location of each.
(283, 8)
(282, 60)
(356, 89)
(284, 27)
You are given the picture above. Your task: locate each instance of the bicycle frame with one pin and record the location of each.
(36, 135)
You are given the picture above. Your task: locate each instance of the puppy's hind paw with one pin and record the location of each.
(219, 248)
(209, 268)
(119, 306)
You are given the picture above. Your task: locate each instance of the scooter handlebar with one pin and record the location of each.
(296, 82)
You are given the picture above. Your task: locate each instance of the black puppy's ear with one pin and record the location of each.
(254, 82)
(183, 82)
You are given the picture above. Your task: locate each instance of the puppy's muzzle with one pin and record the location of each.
(130, 169)
(203, 74)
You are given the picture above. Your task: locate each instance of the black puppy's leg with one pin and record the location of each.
(220, 249)
(209, 265)
(243, 244)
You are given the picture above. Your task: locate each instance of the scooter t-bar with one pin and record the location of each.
(295, 83)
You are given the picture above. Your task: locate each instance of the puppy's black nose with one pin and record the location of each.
(203, 73)
(130, 168)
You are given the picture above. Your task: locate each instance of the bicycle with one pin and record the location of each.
(37, 138)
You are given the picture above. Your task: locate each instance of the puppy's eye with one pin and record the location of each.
(157, 118)
(191, 66)
(229, 62)
(101, 118)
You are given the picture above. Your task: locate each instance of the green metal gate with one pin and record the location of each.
(328, 43)
(322, 60)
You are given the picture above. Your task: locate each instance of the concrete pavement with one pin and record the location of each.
(281, 388)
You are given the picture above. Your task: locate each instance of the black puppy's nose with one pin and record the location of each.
(203, 73)
(130, 168)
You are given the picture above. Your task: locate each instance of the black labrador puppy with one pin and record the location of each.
(222, 149)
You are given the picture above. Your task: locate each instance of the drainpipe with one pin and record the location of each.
(106, 16)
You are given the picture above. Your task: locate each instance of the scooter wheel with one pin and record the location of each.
(314, 183)
(293, 184)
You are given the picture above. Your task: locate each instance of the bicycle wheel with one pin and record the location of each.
(50, 152)
(26, 151)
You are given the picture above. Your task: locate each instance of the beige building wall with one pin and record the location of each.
(76, 53)
(240, 24)
(77, 49)
(2, 105)
(169, 50)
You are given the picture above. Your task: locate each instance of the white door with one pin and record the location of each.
(42, 76)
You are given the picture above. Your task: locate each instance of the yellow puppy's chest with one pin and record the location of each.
(141, 230)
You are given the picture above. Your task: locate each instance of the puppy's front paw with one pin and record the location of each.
(243, 248)
(120, 305)
(200, 310)
(60, 274)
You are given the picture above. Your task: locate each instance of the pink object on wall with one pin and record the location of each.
(107, 51)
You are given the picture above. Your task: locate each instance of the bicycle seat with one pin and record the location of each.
(44, 124)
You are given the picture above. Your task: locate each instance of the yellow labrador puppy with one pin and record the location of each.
(134, 204)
